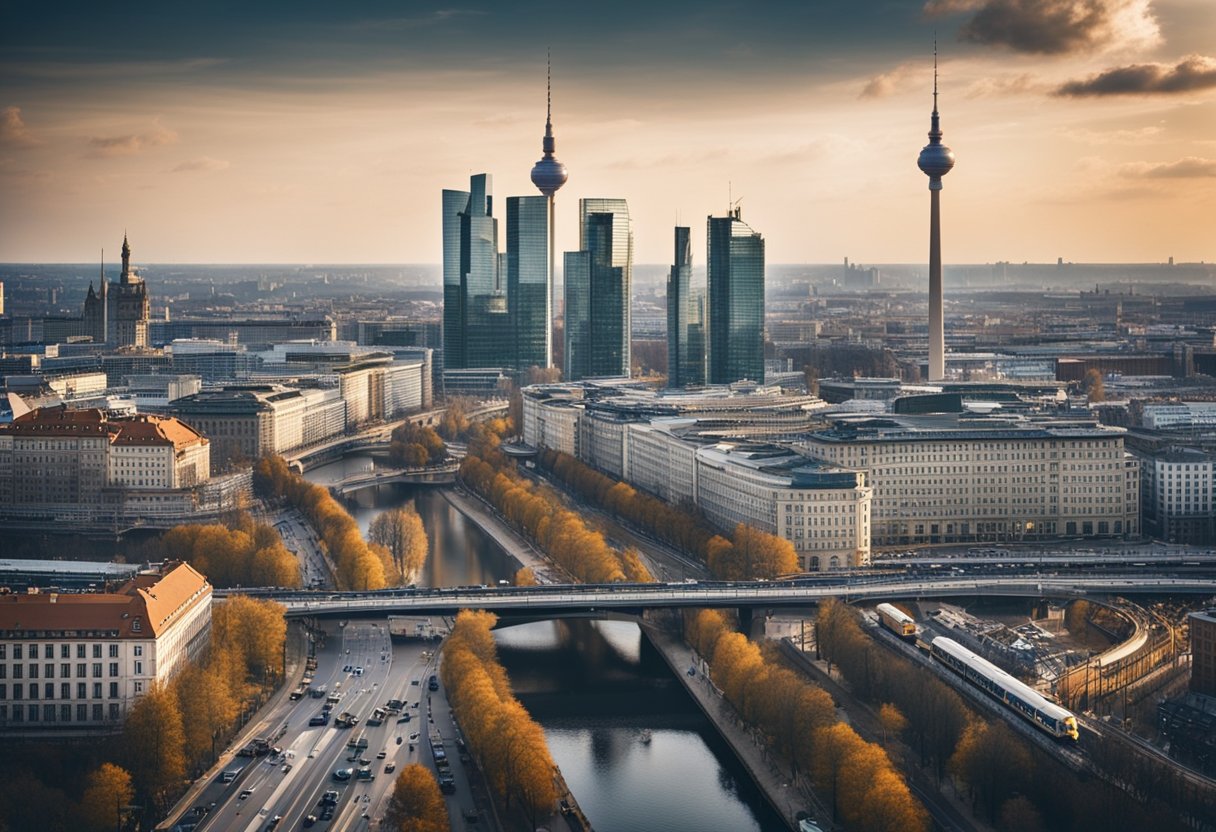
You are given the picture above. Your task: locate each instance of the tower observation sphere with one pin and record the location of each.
(549, 174)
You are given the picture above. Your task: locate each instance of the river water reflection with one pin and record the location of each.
(636, 751)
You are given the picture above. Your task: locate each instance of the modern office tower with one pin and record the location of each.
(936, 160)
(598, 291)
(529, 283)
(547, 175)
(681, 362)
(475, 317)
(735, 301)
(696, 337)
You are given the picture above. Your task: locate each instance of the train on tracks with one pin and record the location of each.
(1031, 705)
(897, 621)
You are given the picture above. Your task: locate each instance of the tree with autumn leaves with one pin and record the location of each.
(798, 721)
(244, 553)
(508, 743)
(400, 531)
(178, 728)
(417, 804)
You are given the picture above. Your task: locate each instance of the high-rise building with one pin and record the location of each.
(598, 287)
(529, 285)
(735, 301)
(548, 175)
(476, 323)
(685, 359)
(935, 160)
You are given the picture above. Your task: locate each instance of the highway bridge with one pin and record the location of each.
(605, 600)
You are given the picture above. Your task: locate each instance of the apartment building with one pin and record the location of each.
(75, 663)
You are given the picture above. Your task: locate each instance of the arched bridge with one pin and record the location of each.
(569, 600)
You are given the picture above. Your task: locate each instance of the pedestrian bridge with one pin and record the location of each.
(428, 475)
(569, 600)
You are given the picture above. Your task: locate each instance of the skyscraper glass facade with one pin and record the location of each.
(735, 300)
(685, 365)
(597, 309)
(528, 280)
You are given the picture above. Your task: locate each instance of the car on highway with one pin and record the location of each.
(389, 768)
(343, 773)
(244, 794)
(382, 755)
(309, 820)
(330, 798)
(404, 718)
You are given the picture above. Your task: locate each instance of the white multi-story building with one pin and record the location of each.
(662, 463)
(53, 459)
(1179, 414)
(1006, 481)
(77, 663)
(823, 510)
(1178, 495)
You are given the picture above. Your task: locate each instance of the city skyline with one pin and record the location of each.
(1094, 129)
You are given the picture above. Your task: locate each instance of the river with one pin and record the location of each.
(634, 748)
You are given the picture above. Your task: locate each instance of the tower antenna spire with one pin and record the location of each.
(935, 73)
(548, 85)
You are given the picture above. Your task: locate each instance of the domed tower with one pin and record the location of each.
(548, 175)
(935, 160)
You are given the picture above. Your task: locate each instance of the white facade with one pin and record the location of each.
(77, 663)
(1178, 492)
(1179, 414)
(964, 485)
(824, 512)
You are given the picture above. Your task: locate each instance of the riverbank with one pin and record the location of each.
(517, 547)
(787, 795)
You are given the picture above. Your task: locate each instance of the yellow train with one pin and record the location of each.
(897, 621)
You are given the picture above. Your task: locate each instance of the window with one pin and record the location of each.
(18, 691)
(48, 671)
(113, 710)
(33, 671)
(48, 690)
(3, 651)
(17, 651)
(82, 669)
(97, 651)
(65, 690)
(82, 713)
(97, 690)
(82, 690)
(80, 651)
(113, 668)
(113, 690)
(33, 651)
(139, 687)
(97, 713)
(113, 651)
(139, 668)
(65, 651)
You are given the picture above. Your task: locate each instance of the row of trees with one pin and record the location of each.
(798, 722)
(401, 532)
(1009, 781)
(417, 804)
(508, 743)
(751, 555)
(539, 515)
(412, 446)
(359, 565)
(176, 729)
(242, 553)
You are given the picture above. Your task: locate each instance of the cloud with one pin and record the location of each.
(1190, 167)
(1005, 85)
(1141, 135)
(202, 164)
(104, 147)
(13, 132)
(1194, 72)
(892, 81)
(1054, 27)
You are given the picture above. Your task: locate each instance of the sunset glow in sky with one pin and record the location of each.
(305, 132)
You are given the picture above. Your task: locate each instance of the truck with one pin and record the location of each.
(297, 694)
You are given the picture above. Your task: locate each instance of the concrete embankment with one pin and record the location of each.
(769, 775)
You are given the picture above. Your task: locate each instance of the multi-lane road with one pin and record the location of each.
(291, 785)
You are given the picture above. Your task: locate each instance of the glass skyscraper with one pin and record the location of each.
(598, 288)
(735, 300)
(528, 281)
(475, 319)
(685, 359)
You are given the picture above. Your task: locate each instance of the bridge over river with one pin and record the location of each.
(600, 600)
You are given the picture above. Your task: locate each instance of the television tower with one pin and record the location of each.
(936, 160)
(548, 175)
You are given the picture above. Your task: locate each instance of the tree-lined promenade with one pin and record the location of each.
(508, 744)
(398, 548)
(798, 722)
(750, 554)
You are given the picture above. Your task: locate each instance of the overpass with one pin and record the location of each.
(426, 475)
(598, 600)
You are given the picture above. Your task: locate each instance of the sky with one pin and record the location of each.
(322, 132)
